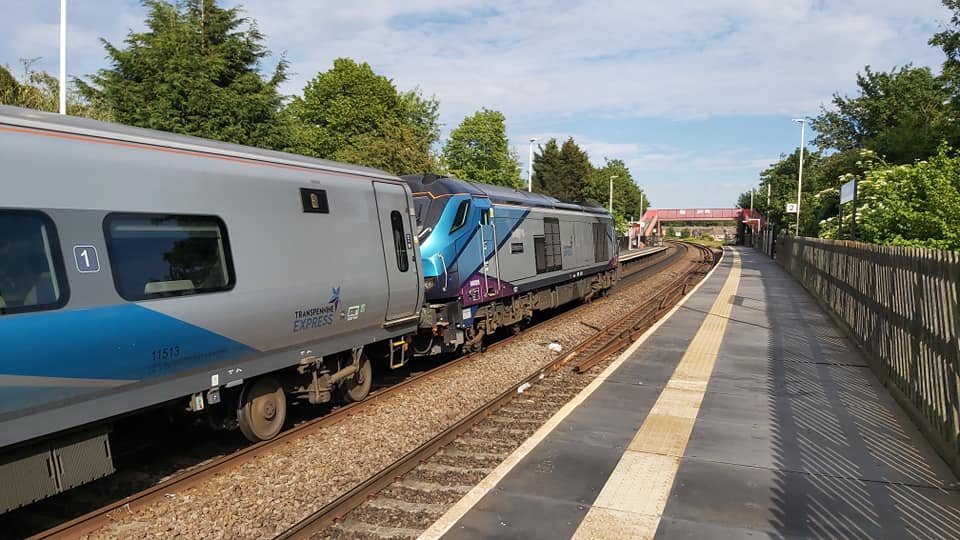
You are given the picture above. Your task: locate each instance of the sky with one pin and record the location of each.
(695, 96)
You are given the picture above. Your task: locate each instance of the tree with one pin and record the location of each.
(37, 90)
(547, 168)
(195, 70)
(477, 150)
(902, 115)
(781, 177)
(949, 41)
(41, 91)
(626, 194)
(562, 172)
(576, 171)
(395, 147)
(350, 113)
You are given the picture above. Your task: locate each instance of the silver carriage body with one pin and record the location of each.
(290, 265)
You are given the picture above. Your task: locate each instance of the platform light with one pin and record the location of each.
(803, 123)
(530, 166)
(611, 193)
(63, 56)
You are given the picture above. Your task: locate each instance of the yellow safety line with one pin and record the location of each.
(460, 509)
(631, 503)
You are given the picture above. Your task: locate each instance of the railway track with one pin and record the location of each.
(406, 497)
(618, 335)
(185, 480)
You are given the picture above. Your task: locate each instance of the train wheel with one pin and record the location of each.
(262, 410)
(357, 387)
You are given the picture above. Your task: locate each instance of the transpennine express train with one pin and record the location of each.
(142, 269)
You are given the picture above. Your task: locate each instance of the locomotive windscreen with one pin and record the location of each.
(428, 211)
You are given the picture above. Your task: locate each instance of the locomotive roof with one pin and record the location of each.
(442, 185)
(17, 116)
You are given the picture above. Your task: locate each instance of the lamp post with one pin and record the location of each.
(803, 123)
(63, 56)
(611, 194)
(752, 192)
(530, 166)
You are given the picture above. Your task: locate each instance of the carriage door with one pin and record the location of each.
(488, 248)
(399, 251)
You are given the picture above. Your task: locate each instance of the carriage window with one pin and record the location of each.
(155, 256)
(32, 276)
(399, 243)
(460, 219)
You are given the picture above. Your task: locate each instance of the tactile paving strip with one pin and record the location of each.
(632, 501)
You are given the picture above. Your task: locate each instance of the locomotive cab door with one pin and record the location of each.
(490, 266)
(399, 251)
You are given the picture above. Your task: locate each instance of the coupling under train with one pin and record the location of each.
(141, 269)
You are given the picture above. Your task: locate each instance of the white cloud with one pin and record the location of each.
(677, 59)
(564, 63)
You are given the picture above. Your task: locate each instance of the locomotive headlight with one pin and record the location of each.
(429, 283)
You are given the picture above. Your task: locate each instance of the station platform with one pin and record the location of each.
(633, 254)
(745, 413)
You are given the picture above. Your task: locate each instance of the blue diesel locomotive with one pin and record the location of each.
(493, 256)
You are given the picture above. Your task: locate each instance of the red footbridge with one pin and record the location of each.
(651, 224)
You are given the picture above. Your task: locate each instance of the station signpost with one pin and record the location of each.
(848, 193)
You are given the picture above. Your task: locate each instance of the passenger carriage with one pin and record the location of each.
(140, 268)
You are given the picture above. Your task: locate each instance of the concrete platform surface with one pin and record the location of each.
(746, 413)
(629, 255)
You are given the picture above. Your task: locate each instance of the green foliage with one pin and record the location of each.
(547, 168)
(563, 173)
(912, 205)
(344, 102)
(395, 147)
(37, 90)
(781, 178)
(949, 41)
(477, 150)
(349, 113)
(195, 70)
(902, 115)
(41, 91)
